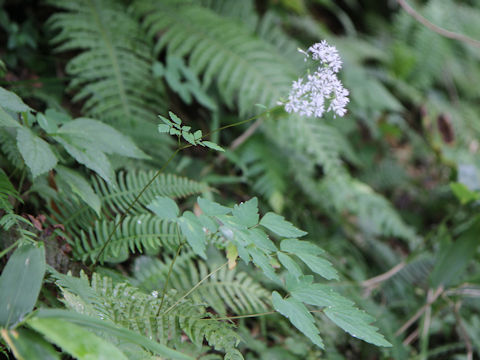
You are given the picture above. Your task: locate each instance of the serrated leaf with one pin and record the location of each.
(162, 128)
(319, 265)
(197, 134)
(263, 262)
(296, 246)
(91, 158)
(280, 226)
(299, 316)
(291, 266)
(73, 339)
(212, 145)
(101, 137)
(357, 323)
(20, 283)
(211, 208)
(247, 213)
(192, 229)
(164, 208)
(47, 123)
(37, 154)
(175, 118)
(317, 294)
(7, 121)
(260, 239)
(165, 120)
(188, 137)
(79, 186)
(12, 102)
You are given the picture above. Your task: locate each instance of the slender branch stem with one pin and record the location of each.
(249, 315)
(194, 288)
(420, 311)
(435, 28)
(124, 215)
(4, 252)
(165, 287)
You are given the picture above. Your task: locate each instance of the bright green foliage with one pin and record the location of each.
(75, 340)
(175, 127)
(20, 283)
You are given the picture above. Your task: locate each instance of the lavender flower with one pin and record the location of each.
(310, 97)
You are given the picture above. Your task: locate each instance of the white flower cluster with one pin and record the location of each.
(310, 97)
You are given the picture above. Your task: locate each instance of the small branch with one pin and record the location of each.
(193, 288)
(165, 287)
(420, 312)
(435, 28)
(241, 139)
(372, 283)
(463, 331)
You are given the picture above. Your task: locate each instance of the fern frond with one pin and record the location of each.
(246, 69)
(314, 139)
(140, 233)
(115, 200)
(112, 72)
(8, 144)
(128, 307)
(228, 289)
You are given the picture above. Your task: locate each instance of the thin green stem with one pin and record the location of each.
(4, 252)
(124, 215)
(165, 287)
(195, 287)
(249, 315)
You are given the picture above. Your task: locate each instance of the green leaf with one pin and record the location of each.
(247, 213)
(454, 257)
(88, 156)
(298, 315)
(49, 124)
(175, 118)
(188, 137)
(7, 121)
(20, 283)
(259, 238)
(318, 295)
(164, 208)
(80, 186)
(319, 265)
(73, 339)
(463, 193)
(211, 208)
(12, 102)
(357, 323)
(166, 121)
(212, 145)
(98, 136)
(193, 231)
(291, 266)
(27, 344)
(114, 330)
(296, 246)
(37, 154)
(280, 226)
(263, 262)
(162, 128)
